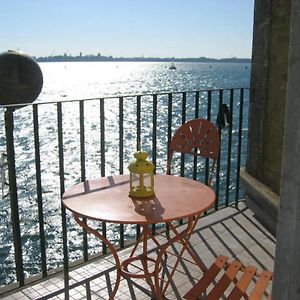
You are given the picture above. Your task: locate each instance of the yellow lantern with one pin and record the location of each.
(141, 176)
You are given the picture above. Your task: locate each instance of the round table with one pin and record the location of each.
(107, 199)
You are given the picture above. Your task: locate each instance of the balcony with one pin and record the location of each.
(52, 146)
(232, 231)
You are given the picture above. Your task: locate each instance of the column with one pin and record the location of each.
(286, 285)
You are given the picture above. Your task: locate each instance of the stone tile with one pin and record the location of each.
(16, 296)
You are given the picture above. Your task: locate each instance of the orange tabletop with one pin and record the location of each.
(107, 199)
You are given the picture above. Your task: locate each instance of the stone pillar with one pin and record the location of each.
(262, 175)
(286, 285)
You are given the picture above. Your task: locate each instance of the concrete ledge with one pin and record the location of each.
(261, 200)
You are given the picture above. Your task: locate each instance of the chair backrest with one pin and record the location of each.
(198, 137)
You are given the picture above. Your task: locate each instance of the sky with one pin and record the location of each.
(128, 28)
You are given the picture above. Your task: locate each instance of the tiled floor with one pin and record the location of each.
(233, 232)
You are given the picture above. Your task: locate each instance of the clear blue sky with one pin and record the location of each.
(179, 28)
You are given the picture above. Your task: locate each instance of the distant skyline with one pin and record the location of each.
(128, 28)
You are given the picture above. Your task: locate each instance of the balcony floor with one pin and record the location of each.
(230, 231)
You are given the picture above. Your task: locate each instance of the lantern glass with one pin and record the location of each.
(141, 176)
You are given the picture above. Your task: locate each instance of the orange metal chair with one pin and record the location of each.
(233, 284)
(198, 137)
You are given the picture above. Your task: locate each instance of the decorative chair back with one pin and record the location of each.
(198, 137)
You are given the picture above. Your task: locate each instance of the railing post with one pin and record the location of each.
(196, 117)
(208, 118)
(102, 151)
(229, 146)
(239, 146)
(183, 120)
(102, 137)
(121, 155)
(121, 134)
(9, 131)
(62, 190)
(82, 140)
(154, 131)
(170, 102)
(82, 168)
(219, 158)
(39, 190)
(138, 142)
(138, 123)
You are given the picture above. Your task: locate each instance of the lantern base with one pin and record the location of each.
(141, 193)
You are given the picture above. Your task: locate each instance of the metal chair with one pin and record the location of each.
(198, 137)
(231, 281)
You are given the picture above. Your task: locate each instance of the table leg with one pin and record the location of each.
(185, 241)
(144, 259)
(79, 220)
(146, 232)
(183, 238)
(122, 268)
(163, 251)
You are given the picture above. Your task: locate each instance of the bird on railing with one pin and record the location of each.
(223, 113)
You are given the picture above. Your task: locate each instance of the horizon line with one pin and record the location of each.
(99, 57)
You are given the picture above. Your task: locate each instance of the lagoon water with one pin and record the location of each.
(79, 80)
(84, 80)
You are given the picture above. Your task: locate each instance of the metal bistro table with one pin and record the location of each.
(176, 198)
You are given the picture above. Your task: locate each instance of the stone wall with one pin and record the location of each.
(274, 113)
(269, 84)
(267, 106)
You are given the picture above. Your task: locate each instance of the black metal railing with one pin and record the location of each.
(51, 146)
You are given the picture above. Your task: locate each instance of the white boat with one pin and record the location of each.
(172, 67)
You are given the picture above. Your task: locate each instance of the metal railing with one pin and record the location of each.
(51, 146)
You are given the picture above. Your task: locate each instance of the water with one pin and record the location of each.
(94, 79)
(66, 81)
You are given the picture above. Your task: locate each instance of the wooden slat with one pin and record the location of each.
(242, 285)
(225, 281)
(261, 285)
(207, 278)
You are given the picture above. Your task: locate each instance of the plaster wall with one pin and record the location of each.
(286, 285)
(270, 53)
(269, 86)
(274, 113)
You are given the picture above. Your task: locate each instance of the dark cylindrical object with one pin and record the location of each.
(21, 78)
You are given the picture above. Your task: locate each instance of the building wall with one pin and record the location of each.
(286, 284)
(270, 55)
(274, 113)
(269, 86)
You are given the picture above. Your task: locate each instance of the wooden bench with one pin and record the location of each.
(233, 284)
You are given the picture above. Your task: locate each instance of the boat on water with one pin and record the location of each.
(172, 67)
